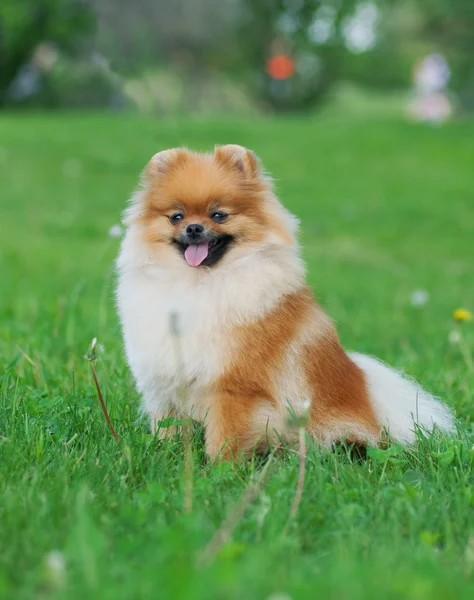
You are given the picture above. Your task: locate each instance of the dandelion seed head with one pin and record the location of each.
(55, 560)
(419, 297)
(55, 568)
(115, 231)
(303, 405)
(454, 337)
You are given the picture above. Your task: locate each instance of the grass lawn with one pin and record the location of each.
(387, 208)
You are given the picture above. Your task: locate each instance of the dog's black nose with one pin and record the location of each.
(194, 230)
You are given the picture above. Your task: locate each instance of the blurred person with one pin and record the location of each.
(431, 76)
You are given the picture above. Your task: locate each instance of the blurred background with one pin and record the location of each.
(327, 94)
(172, 57)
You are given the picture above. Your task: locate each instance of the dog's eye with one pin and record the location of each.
(219, 217)
(175, 218)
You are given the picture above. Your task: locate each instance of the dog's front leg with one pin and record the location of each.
(159, 424)
(236, 425)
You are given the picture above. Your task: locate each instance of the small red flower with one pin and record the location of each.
(280, 66)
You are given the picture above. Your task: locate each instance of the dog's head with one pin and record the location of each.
(209, 207)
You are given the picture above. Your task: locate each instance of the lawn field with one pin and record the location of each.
(386, 209)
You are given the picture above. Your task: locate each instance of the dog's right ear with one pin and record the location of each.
(237, 157)
(163, 161)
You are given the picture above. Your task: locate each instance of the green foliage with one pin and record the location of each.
(386, 208)
(277, 26)
(387, 67)
(26, 23)
(80, 84)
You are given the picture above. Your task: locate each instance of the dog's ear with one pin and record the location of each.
(233, 156)
(164, 161)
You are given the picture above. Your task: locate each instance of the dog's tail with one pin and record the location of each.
(400, 404)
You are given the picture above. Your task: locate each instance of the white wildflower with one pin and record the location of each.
(303, 405)
(115, 231)
(419, 297)
(55, 567)
(454, 337)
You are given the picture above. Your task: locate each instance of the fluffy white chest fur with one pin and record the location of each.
(177, 321)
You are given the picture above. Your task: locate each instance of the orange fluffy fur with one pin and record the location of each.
(267, 348)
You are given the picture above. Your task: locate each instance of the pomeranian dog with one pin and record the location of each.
(210, 251)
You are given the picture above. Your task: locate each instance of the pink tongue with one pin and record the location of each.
(196, 253)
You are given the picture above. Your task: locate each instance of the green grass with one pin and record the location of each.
(386, 208)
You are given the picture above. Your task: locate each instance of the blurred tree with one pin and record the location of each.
(311, 32)
(24, 24)
(145, 33)
(198, 39)
(192, 40)
(388, 65)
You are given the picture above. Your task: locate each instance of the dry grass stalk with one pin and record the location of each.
(187, 432)
(225, 531)
(300, 421)
(91, 357)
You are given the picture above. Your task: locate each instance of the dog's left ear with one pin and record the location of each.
(164, 161)
(233, 156)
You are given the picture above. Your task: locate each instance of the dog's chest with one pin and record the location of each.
(186, 328)
(174, 332)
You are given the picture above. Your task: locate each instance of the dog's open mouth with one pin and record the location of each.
(205, 253)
